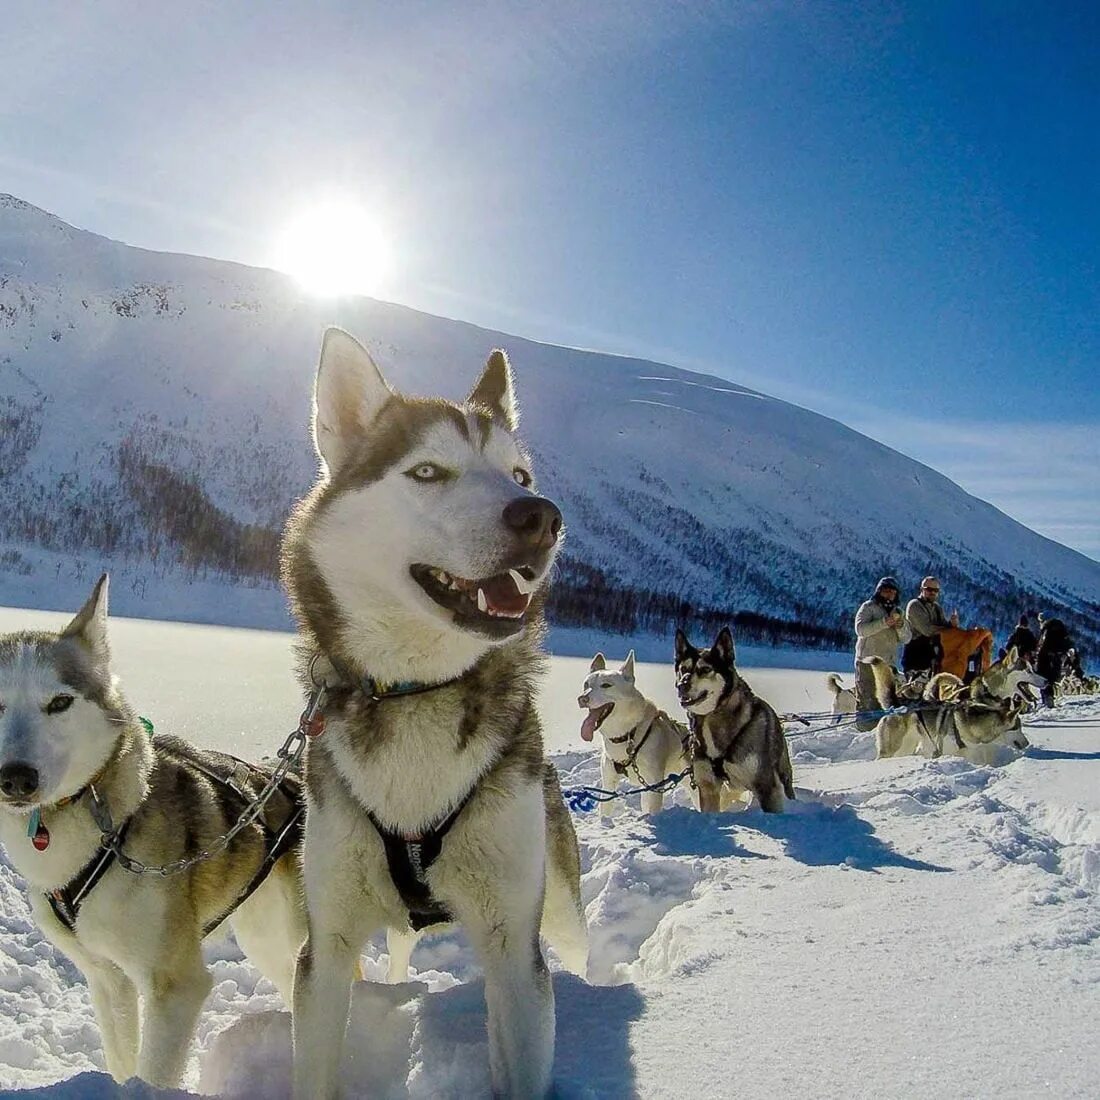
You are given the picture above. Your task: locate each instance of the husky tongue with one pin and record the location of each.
(588, 726)
(502, 595)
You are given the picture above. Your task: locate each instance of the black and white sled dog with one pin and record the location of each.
(416, 570)
(81, 781)
(640, 742)
(739, 744)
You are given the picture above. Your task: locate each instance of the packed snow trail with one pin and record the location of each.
(910, 925)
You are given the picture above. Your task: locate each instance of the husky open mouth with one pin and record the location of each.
(495, 605)
(594, 719)
(695, 700)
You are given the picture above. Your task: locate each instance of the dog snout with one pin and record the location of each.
(535, 521)
(18, 780)
(582, 700)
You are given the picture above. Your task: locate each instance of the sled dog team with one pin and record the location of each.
(417, 572)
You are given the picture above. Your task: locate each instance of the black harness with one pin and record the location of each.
(66, 900)
(621, 766)
(408, 858)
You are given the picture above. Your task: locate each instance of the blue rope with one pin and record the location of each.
(585, 799)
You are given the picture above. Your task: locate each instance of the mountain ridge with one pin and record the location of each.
(135, 382)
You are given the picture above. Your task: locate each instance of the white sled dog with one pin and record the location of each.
(844, 699)
(640, 742)
(85, 790)
(416, 570)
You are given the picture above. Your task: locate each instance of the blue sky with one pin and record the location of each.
(887, 212)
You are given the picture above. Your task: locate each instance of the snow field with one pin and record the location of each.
(909, 925)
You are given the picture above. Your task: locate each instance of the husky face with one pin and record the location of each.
(984, 723)
(704, 677)
(60, 715)
(605, 690)
(426, 531)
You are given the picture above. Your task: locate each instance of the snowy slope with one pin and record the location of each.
(910, 928)
(137, 387)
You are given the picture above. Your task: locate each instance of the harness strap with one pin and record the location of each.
(279, 844)
(408, 860)
(66, 900)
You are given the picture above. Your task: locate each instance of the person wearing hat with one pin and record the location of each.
(926, 621)
(880, 629)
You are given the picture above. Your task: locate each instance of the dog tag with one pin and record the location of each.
(39, 834)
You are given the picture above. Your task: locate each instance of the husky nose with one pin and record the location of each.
(535, 521)
(18, 780)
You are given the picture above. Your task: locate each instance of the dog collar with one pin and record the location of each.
(376, 690)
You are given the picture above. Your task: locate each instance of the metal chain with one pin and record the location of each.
(290, 754)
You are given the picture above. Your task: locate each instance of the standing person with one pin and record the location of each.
(880, 629)
(1050, 656)
(926, 621)
(1023, 638)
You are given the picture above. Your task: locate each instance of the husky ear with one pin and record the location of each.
(628, 667)
(495, 392)
(90, 623)
(723, 645)
(598, 663)
(349, 393)
(682, 645)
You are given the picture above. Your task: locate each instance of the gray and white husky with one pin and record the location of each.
(640, 742)
(78, 767)
(416, 570)
(944, 721)
(739, 742)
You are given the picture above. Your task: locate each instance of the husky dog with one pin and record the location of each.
(80, 780)
(639, 741)
(844, 699)
(893, 689)
(738, 739)
(1008, 678)
(945, 720)
(416, 570)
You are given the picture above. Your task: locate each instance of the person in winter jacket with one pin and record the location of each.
(1050, 656)
(926, 620)
(1023, 638)
(880, 629)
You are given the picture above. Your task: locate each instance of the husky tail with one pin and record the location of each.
(834, 684)
(885, 684)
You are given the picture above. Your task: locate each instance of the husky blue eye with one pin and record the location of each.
(58, 704)
(521, 476)
(428, 471)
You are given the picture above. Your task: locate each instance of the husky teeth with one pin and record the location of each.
(482, 602)
(525, 586)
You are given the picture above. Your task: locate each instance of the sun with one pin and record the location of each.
(334, 248)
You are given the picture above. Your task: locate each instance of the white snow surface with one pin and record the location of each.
(909, 927)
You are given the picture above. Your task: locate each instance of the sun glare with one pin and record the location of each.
(332, 249)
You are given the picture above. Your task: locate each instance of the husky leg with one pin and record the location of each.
(772, 800)
(171, 1003)
(342, 914)
(271, 926)
(652, 801)
(400, 943)
(709, 795)
(114, 998)
(609, 780)
(492, 876)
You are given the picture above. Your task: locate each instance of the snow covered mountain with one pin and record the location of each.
(153, 420)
